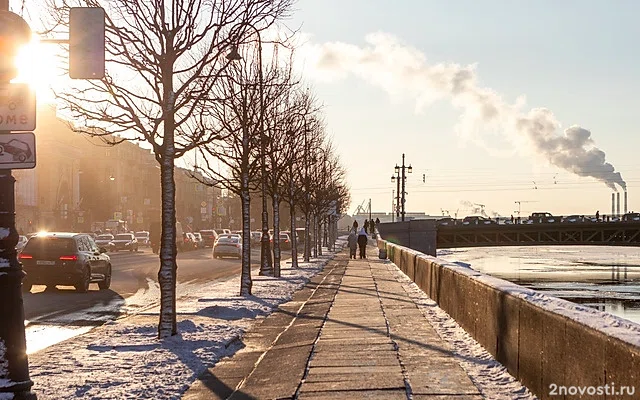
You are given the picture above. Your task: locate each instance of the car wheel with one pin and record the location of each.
(106, 283)
(22, 157)
(83, 284)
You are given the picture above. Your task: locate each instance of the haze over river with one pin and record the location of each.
(606, 278)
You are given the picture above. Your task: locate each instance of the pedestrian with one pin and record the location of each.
(512, 218)
(597, 215)
(366, 225)
(362, 243)
(355, 225)
(372, 228)
(377, 221)
(352, 242)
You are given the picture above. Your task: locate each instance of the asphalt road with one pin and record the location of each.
(131, 272)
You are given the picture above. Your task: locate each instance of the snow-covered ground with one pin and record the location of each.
(123, 359)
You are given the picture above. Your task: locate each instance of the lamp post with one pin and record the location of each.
(396, 178)
(265, 258)
(401, 178)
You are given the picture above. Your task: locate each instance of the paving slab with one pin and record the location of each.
(351, 333)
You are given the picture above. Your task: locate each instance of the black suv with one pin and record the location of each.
(63, 258)
(209, 237)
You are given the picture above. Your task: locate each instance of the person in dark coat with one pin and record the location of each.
(372, 228)
(366, 226)
(362, 243)
(355, 226)
(352, 241)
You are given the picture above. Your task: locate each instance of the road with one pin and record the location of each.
(133, 288)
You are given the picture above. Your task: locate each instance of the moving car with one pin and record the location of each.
(227, 246)
(631, 216)
(208, 237)
(199, 240)
(125, 241)
(543, 218)
(189, 241)
(65, 258)
(106, 241)
(573, 218)
(477, 220)
(256, 236)
(22, 241)
(446, 221)
(285, 241)
(143, 238)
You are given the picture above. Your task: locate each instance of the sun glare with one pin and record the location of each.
(39, 66)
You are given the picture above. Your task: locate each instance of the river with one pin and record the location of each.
(605, 278)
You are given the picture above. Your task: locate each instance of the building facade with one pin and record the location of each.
(80, 182)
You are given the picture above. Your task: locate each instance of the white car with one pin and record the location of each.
(228, 246)
(143, 238)
(22, 241)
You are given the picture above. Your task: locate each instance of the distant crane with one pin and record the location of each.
(480, 210)
(520, 202)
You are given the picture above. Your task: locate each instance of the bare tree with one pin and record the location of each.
(300, 119)
(163, 59)
(237, 117)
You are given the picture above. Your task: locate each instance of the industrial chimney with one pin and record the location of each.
(618, 204)
(625, 202)
(613, 204)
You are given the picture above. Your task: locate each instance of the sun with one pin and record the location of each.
(40, 65)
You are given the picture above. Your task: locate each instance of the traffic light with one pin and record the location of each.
(86, 43)
(14, 33)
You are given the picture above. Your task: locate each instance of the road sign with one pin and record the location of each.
(117, 215)
(203, 210)
(203, 204)
(17, 150)
(17, 107)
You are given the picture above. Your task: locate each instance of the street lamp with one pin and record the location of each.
(265, 258)
(401, 178)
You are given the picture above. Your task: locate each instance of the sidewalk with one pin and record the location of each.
(351, 332)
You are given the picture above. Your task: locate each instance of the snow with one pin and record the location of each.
(125, 359)
(490, 377)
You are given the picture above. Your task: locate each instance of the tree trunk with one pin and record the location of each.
(307, 237)
(168, 266)
(319, 234)
(315, 236)
(245, 276)
(275, 200)
(294, 235)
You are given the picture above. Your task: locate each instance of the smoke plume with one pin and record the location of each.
(402, 70)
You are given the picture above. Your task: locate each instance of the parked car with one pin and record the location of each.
(208, 237)
(105, 241)
(143, 238)
(64, 258)
(22, 241)
(198, 239)
(125, 241)
(285, 241)
(573, 218)
(227, 246)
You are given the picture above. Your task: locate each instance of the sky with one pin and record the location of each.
(524, 107)
(478, 96)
